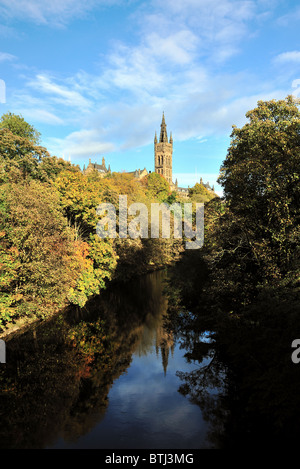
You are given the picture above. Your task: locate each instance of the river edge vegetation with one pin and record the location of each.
(50, 255)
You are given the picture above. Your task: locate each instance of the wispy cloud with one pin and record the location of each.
(291, 17)
(41, 115)
(5, 56)
(55, 12)
(219, 25)
(59, 93)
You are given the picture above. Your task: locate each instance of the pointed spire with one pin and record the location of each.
(171, 138)
(163, 131)
(155, 138)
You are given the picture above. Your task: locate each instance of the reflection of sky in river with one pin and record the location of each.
(145, 409)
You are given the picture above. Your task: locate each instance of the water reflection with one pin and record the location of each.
(102, 377)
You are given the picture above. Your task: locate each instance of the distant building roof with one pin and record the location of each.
(101, 168)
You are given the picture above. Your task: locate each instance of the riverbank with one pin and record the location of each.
(23, 324)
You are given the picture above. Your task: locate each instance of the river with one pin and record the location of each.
(108, 376)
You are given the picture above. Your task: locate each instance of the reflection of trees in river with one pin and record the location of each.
(248, 363)
(57, 377)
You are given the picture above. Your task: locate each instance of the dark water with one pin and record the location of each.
(108, 376)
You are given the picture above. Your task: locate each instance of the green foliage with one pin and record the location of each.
(51, 166)
(37, 249)
(19, 157)
(200, 194)
(18, 126)
(252, 237)
(157, 187)
(261, 183)
(50, 254)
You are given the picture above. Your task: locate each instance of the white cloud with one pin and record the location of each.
(134, 70)
(178, 48)
(290, 56)
(80, 144)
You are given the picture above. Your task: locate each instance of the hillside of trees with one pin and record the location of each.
(50, 253)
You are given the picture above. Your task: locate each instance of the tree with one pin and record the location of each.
(157, 186)
(199, 193)
(19, 157)
(51, 166)
(39, 260)
(261, 181)
(18, 126)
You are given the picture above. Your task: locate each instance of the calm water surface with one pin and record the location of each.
(62, 388)
(145, 409)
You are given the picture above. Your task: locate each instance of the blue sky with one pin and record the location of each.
(94, 76)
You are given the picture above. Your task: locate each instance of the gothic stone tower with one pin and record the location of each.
(163, 151)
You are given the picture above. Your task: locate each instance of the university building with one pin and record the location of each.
(163, 162)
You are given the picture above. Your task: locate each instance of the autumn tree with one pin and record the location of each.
(261, 181)
(199, 193)
(39, 258)
(18, 126)
(51, 166)
(19, 157)
(157, 187)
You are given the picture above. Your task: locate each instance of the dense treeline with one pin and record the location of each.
(249, 266)
(243, 287)
(253, 239)
(50, 254)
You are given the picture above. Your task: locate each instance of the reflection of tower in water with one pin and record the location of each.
(164, 344)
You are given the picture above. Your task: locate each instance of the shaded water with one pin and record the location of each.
(104, 377)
